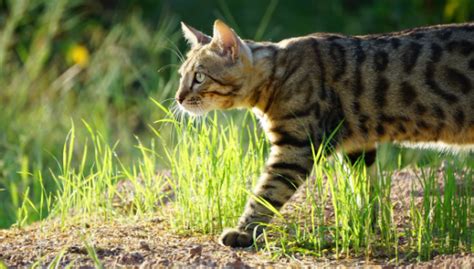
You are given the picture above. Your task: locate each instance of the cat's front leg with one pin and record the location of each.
(286, 169)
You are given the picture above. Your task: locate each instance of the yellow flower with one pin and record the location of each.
(78, 54)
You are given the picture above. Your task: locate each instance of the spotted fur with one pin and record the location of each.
(414, 86)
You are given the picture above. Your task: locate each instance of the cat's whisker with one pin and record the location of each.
(176, 50)
(166, 66)
(180, 113)
(167, 99)
(172, 100)
(177, 112)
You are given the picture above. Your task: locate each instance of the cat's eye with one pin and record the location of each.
(199, 77)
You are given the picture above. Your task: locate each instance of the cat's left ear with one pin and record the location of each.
(193, 36)
(230, 42)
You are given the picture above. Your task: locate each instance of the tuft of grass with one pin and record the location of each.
(92, 253)
(444, 223)
(440, 222)
(212, 167)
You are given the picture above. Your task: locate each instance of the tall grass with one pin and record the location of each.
(212, 169)
(441, 221)
(207, 176)
(43, 90)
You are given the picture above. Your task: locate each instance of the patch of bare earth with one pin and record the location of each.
(151, 243)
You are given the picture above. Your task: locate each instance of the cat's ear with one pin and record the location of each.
(230, 42)
(193, 36)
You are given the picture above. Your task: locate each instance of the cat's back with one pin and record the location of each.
(414, 85)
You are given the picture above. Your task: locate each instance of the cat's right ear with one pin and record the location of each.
(193, 36)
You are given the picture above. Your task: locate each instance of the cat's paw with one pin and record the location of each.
(236, 239)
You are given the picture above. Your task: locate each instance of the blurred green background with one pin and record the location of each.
(100, 61)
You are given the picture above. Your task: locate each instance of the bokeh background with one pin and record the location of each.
(65, 63)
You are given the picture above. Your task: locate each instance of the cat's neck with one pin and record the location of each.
(262, 77)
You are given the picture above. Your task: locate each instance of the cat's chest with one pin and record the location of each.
(266, 123)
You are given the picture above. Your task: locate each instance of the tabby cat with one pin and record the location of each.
(414, 86)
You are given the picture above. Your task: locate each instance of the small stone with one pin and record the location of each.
(77, 250)
(164, 262)
(156, 220)
(236, 263)
(131, 258)
(144, 245)
(195, 251)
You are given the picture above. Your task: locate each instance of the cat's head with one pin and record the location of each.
(216, 72)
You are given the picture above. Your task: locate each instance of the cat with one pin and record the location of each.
(413, 86)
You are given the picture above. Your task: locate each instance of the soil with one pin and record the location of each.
(152, 243)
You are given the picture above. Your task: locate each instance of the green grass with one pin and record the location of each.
(43, 91)
(441, 223)
(212, 167)
(214, 163)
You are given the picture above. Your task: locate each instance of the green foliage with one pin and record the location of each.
(212, 167)
(44, 89)
(438, 222)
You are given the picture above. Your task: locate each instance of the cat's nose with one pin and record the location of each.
(180, 97)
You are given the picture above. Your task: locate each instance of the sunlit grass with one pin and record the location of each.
(212, 167)
(201, 183)
(440, 221)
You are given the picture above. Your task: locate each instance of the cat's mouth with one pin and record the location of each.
(194, 106)
(198, 105)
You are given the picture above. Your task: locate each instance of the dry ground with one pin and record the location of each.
(151, 243)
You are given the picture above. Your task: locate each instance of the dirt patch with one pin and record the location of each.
(147, 243)
(151, 243)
